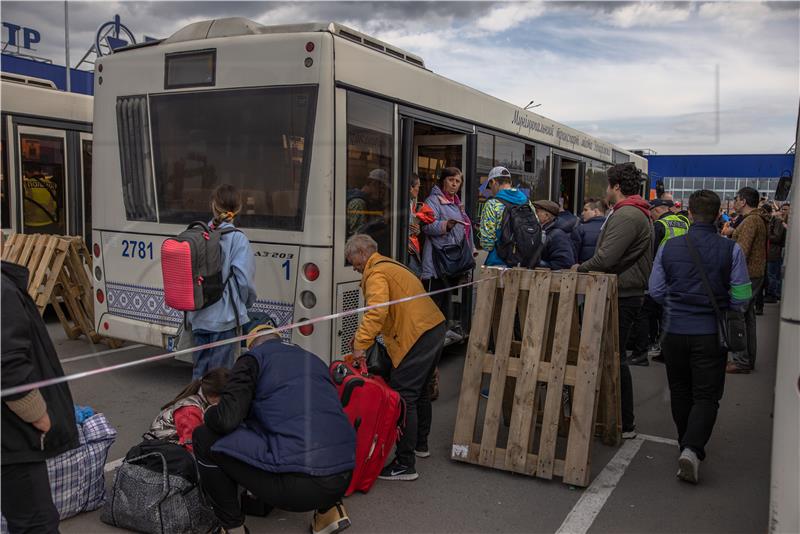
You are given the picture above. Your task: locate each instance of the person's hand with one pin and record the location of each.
(450, 224)
(574, 267)
(42, 424)
(414, 229)
(359, 354)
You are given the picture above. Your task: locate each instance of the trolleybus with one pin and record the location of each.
(46, 149)
(302, 119)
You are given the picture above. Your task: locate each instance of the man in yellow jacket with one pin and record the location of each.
(413, 332)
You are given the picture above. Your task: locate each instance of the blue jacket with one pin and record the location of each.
(295, 423)
(588, 233)
(436, 232)
(676, 284)
(239, 293)
(492, 222)
(559, 249)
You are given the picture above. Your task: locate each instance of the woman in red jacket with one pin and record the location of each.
(180, 416)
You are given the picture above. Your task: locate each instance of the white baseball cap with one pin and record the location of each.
(497, 172)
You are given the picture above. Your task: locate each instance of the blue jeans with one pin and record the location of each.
(774, 278)
(208, 359)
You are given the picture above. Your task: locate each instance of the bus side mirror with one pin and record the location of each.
(782, 191)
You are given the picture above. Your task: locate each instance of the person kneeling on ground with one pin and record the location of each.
(692, 350)
(414, 334)
(559, 252)
(279, 431)
(180, 416)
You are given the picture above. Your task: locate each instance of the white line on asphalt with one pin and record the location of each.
(113, 464)
(102, 353)
(659, 439)
(587, 508)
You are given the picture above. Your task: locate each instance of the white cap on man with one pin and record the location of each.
(496, 172)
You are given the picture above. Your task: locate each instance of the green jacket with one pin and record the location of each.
(624, 248)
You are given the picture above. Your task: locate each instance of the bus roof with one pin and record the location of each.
(22, 97)
(362, 62)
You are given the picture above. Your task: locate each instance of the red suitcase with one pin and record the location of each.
(376, 412)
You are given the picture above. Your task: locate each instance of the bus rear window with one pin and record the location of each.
(258, 140)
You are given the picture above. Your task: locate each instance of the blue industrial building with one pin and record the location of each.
(723, 174)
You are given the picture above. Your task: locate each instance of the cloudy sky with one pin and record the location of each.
(679, 78)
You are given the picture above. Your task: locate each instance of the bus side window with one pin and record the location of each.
(370, 145)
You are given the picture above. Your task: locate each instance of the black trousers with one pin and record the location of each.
(647, 330)
(444, 300)
(696, 375)
(629, 309)
(410, 379)
(26, 502)
(221, 476)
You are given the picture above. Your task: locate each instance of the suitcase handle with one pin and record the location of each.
(348, 389)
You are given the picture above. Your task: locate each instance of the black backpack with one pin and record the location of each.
(521, 242)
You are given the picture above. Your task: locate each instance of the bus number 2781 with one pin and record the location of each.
(137, 249)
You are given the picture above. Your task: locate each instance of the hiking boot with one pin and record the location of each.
(422, 451)
(639, 359)
(331, 521)
(397, 471)
(688, 466)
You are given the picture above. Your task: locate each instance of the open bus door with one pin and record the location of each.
(426, 149)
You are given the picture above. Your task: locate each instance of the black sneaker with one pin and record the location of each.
(658, 358)
(639, 359)
(396, 471)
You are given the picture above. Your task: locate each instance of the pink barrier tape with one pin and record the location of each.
(84, 374)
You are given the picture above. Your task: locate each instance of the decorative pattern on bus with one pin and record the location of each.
(147, 304)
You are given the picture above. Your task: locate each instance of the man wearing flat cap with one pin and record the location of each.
(558, 250)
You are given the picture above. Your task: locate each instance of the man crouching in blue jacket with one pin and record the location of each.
(279, 432)
(692, 350)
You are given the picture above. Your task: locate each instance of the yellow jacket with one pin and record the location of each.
(402, 324)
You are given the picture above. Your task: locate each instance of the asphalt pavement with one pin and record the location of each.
(635, 494)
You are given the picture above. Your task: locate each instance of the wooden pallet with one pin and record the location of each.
(565, 345)
(60, 275)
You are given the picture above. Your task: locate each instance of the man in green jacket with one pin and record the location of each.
(625, 248)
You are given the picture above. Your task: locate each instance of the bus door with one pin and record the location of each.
(567, 182)
(85, 174)
(426, 149)
(42, 180)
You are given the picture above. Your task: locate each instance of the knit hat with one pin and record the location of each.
(549, 206)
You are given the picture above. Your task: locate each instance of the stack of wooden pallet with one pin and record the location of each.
(60, 275)
(547, 343)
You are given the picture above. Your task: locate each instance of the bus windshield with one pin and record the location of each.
(258, 140)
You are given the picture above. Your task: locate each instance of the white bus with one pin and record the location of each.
(784, 512)
(302, 119)
(45, 182)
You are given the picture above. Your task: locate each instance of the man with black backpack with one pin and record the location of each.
(509, 230)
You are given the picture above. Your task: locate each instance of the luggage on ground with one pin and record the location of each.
(376, 411)
(156, 490)
(77, 477)
(520, 243)
(191, 266)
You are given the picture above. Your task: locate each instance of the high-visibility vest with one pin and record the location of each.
(674, 226)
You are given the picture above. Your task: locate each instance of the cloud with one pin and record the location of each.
(649, 14)
(508, 16)
(635, 73)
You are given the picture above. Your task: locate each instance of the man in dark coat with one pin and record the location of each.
(36, 424)
(594, 215)
(559, 252)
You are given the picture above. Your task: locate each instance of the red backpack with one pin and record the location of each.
(376, 411)
(191, 267)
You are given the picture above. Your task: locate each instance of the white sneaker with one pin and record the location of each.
(688, 466)
(629, 434)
